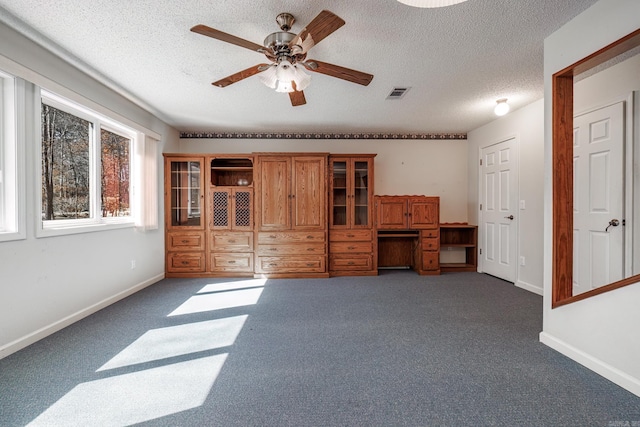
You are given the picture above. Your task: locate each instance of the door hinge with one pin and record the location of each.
(480, 162)
(480, 251)
(480, 206)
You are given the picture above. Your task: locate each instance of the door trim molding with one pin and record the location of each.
(516, 142)
(562, 168)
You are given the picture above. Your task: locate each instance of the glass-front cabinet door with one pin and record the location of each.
(351, 192)
(361, 200)
(339, 192)
(185, 182)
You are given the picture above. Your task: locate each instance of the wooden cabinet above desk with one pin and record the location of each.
(407, 212)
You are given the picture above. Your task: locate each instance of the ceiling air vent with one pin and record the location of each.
(398, 92)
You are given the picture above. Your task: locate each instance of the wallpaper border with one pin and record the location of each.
(320, 135)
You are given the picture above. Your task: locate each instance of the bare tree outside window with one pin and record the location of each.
(65, 165)
(115, 174)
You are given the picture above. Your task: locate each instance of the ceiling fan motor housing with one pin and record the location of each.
(277, 45)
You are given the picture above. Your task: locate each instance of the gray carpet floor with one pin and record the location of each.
(398, 349)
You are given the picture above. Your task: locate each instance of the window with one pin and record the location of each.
(86, 167)
(11, 221)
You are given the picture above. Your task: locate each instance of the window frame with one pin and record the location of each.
(100, 121)
(12, 201)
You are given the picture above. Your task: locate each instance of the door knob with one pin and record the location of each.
(509, 217)
(612, 223)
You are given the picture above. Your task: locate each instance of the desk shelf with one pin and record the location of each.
(460, 236)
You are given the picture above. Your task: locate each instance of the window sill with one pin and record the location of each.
(63, 230)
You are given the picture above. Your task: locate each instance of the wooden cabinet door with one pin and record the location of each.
(308, 196)
(231, 209)
(184, 196)
(391, 212)
(361, 183)
(220, 209)
(424, 213)
(340, 195)
(242, 209)
(273, 198)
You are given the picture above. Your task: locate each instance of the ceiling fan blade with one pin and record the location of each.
(343, 73)
(240, 75)
(322, 25)
(297, 98)
(219, 35)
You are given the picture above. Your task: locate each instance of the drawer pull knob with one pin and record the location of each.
(309, 264)
(232, 262)
(232, 241)
(184, 241)
(351, 248)
(309, 237)
(185, 262)
(350, 235)
(350, 263)
(271, 236)
(310, 250)
(273, 249)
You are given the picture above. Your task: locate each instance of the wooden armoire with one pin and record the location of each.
(291, 206)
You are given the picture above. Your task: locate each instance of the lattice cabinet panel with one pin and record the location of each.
(231, 208)
(220, 206)
(243, 209)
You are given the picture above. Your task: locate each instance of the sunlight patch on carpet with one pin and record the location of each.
(218, 301)
(162, 343)
(135, 397)
(228, 286)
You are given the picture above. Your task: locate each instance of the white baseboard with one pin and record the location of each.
(598, 366)
(27, 340)
(529, 287)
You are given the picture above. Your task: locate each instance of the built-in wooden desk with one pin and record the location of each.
(408, 233)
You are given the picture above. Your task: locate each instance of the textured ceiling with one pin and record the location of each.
(457, 60)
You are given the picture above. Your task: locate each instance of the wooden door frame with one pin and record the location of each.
(562, 179)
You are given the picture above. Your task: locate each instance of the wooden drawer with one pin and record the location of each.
(185, 241)
(351, 263)
(186, 262)
(350, 235)
(350, 247)
(231, 241)
(430, 233)
(231, 262)
(266, 238)
(430, 260)
(292, 249)
(430, 244)
(298, 264)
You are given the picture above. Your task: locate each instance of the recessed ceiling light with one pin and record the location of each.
(430, 3)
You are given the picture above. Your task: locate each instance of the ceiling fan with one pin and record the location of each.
(287, 53)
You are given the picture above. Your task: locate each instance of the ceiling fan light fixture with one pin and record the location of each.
(283, 76)
(430, 3)
(268, 77)
(502, 107)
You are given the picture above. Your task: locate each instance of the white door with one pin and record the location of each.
(598, 177)
(498, 210)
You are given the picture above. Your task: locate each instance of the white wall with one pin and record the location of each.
(600, 332)
(402, 166)
(46, 283)
(526, 126)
